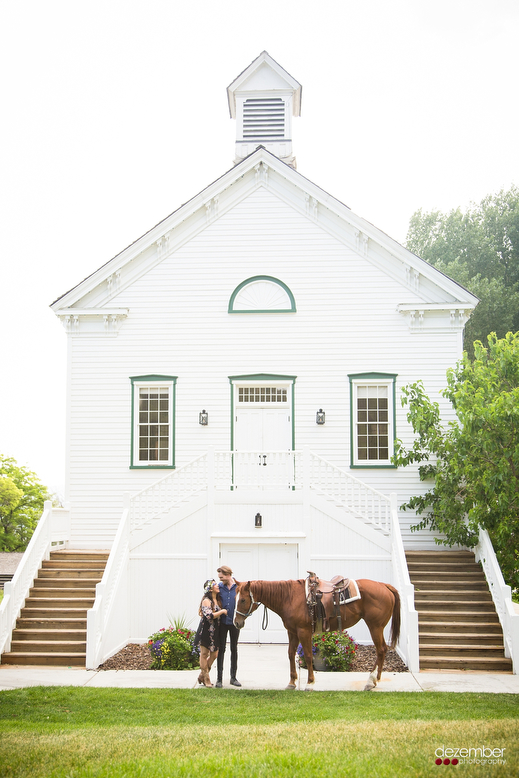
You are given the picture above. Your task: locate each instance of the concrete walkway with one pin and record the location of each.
(259, 667)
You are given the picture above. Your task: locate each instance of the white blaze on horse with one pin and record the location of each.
(377, 604)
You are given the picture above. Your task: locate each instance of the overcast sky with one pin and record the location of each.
(114, 113)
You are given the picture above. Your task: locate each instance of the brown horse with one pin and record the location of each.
(377, 604)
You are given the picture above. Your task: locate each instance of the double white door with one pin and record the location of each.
(262, 561)
(263, 447)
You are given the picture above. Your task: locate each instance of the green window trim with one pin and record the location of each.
(254, 279)
(160, 381)
(371, 379)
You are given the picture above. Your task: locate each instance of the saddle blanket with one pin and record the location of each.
(350, 594)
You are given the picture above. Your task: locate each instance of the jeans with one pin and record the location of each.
(233, 636)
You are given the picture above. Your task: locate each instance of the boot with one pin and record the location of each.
(207, 680)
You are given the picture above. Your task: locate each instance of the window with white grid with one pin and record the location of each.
(153, 422)
(372, 412)
(262, 394)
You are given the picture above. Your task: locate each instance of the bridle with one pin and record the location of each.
(251, 606)
(254, 602)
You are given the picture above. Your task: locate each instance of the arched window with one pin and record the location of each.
(262, 294)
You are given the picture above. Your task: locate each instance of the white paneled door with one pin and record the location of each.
(263, 561)
(263, 447)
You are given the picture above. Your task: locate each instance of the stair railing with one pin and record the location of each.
(108, 618)
(409, 643)
(365, 503)
(501, 595)
(52, 530)
(154, 502)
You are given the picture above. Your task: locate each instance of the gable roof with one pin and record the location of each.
(264, 73)
(261, 168)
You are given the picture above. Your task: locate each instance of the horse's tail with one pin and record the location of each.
(395, 621)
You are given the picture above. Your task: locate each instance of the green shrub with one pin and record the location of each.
(174, 649)
(337, 650)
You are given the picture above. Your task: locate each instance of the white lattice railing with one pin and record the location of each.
(364, 502)
(108, 619)
(501, 595)
(266, 470)
(155, 501)
(408, 645)
(52, 531)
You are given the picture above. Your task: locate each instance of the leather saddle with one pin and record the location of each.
(324, 599)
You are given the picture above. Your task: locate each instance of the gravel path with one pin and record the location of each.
(137, 657)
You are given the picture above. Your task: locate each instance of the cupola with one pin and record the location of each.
(263, 100)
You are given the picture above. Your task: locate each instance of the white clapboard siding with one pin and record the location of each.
(178, 324)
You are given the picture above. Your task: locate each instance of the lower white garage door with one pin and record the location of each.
(268, 562)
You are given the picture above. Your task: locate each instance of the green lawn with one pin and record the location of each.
(161, 733)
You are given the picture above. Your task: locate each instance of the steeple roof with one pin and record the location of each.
(263, 99)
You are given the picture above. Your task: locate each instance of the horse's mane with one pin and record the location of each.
(272, 593)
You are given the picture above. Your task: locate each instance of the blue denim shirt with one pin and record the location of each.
(228, 597)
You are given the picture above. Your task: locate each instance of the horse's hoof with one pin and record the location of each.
(309, 687)
(290, 687)
(369, 686)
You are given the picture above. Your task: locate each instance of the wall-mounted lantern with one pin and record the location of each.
(258, 520)
(203, 418)
(320, 416)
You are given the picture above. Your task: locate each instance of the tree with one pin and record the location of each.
(480, 250)
(21, 504)
(473, 462)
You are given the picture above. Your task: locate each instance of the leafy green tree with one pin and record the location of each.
(480, 250)
(21, 504)
(472, 462)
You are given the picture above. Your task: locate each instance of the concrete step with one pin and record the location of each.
(62, 659)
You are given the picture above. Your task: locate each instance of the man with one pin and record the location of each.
(228, 595)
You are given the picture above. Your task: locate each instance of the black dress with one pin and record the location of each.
(210, 630)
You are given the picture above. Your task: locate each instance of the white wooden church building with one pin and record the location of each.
(234, 388)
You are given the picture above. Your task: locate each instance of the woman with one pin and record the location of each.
(210, 611)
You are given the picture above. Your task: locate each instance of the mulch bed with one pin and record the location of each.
(137, 657)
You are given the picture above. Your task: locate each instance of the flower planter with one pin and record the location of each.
(319, 664)
(331, 652)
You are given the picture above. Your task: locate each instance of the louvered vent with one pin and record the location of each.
(264, 119)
